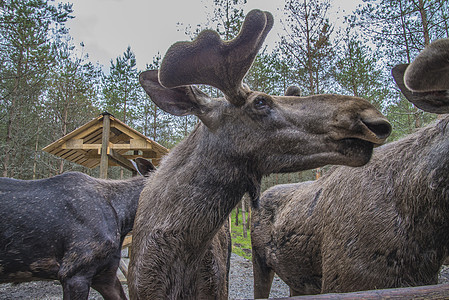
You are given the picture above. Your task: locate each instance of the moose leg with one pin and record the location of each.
(263, 277)
(109, 286)
(75, 288)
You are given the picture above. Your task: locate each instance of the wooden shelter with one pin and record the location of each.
(106, 141)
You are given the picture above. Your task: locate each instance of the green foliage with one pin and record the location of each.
(121, 87)
(229, 16)
(357, 71)
(307, 42)
(26, 31)
(411, 25)
(240, 245)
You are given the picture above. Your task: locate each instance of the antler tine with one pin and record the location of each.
(221, 64)
(430, 69)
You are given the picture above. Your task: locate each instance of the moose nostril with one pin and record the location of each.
(381, 128)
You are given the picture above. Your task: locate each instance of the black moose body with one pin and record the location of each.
(68, 228)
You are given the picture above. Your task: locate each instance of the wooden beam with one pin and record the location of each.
(124, 268)
(78, 144)
(151, 154)
(439, 291)
(88, 131)
(104, 147)
(127, 241)
(120, 160)
(134, 144)
(126, 130)
(140, 144)
(97, 156)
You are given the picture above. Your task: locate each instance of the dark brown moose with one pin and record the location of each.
(241, 137)
(383, 225)
(68, 228)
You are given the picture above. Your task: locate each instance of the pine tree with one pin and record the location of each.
(154, 122)
(71, 99)
(121, 88)
(25, 30)
(229, 16)
(307, 42)
(357, 71)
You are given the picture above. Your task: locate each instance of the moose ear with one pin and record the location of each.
(179, 101)
(293, 91)
(143, 166)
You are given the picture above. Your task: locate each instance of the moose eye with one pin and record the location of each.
(260, 103)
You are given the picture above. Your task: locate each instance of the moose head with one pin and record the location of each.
(279, 130)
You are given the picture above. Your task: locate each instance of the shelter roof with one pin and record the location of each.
(83, 145)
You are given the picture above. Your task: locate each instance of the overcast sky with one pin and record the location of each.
(107, 27)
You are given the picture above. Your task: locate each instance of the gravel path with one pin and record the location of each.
(241, 285)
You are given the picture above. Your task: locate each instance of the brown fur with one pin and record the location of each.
(382, 225)
(214, 269)
(241, 138)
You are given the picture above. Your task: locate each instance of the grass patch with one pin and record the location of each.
(240, 245)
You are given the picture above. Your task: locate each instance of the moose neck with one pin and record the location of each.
(192, 194)
(418, 180)
(206, 178)
(124, 197)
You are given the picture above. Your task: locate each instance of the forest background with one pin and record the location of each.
(49, 88)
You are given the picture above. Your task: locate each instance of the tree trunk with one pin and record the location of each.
(8, 140)
(404, 32)
(244, 217)
(417, 116)
(36, 149)
(64, 132)
(309, 49)
(237, 215)
(444, 17)
(248, 223)
(10, 128)
(154, 122)
(423, 14)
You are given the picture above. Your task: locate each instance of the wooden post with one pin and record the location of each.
(104, 146)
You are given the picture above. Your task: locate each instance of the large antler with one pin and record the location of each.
(425, 82)
(221, 64)
(430, 69)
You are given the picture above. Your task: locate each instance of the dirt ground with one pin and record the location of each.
(241, 285)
